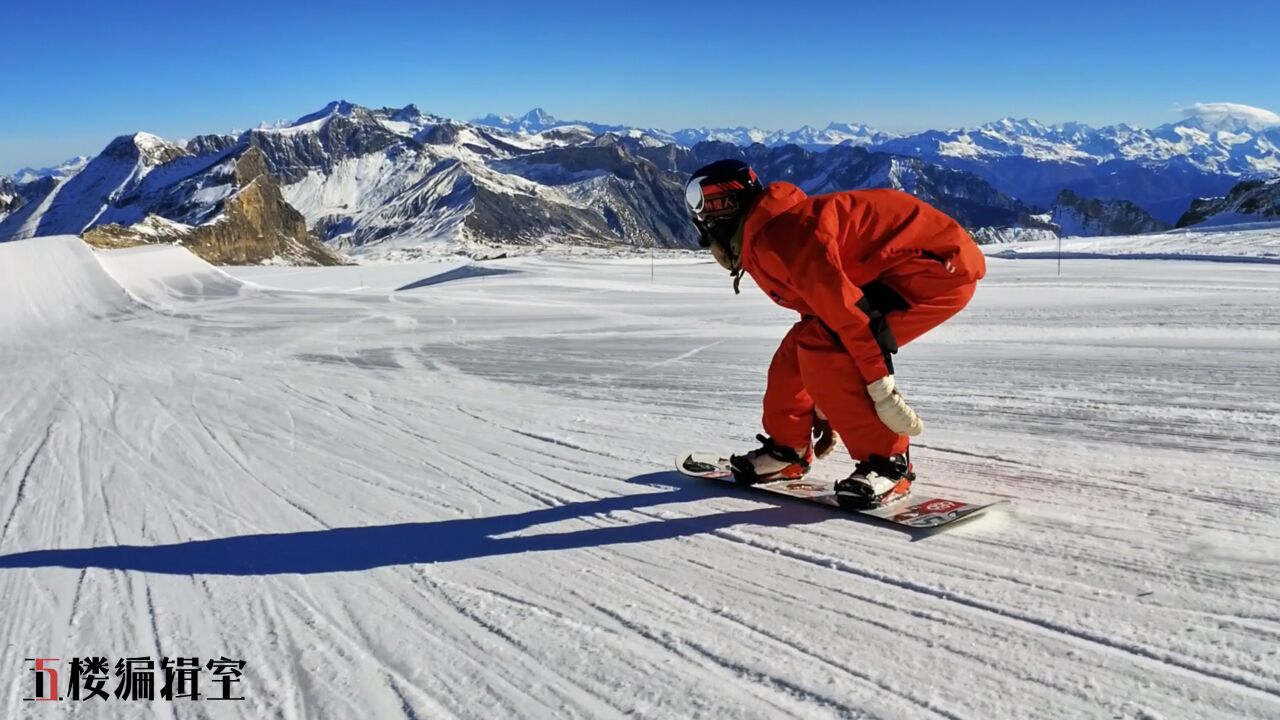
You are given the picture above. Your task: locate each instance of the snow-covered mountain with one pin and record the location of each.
(1212, 143)
(1250, 201)
(807, 137)
(471, 183)
(385, 182)
(838, 133)
(1223, 138)
(61, 171)
(230, 213)
(538, 120)
(398, 183)
(374, 182)
(1231, 117)
(1161, 169)
(142, 188)
(102, 191)
(975, 203)
(1090, 217)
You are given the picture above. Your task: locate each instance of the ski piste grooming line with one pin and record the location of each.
(922, 512)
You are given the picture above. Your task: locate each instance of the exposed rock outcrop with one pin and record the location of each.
(1249, 201)
(253, 225)
(1078, 216)
(9, 198)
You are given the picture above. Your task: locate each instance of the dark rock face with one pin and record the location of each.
(1163, 192)
(521, 219)
(969, 199)
(10, 200)
(291, 155)
(634, 201)
(1253, 200)
(210, 144)
(1093, 217)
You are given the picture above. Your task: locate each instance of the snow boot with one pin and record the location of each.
(875, 483)
(771, 462)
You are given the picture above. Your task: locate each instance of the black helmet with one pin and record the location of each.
(718, 196)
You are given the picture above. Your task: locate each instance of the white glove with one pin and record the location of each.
(894, 412)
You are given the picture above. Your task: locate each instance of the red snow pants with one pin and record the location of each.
(812, 367)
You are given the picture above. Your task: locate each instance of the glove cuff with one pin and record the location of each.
(881, 389)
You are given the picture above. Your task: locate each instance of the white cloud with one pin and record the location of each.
(1225, 113)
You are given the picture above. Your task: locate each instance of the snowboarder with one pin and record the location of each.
(868, 271)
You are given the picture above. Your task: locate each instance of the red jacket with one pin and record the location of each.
(811, 255)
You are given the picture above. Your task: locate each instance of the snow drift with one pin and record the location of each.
(51, 282)
(157, 274)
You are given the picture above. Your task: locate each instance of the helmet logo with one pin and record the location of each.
(711, 199)
(719, 204)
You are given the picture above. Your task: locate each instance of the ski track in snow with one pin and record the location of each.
(456, 501)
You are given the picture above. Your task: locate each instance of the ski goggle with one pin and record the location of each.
(693, 197)
(712, 200)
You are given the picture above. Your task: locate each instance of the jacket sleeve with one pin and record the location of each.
(813, 264)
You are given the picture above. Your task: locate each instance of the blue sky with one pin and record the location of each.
(79, 73)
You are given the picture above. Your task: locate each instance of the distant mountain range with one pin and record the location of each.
(538, 120)
(1160, 169)
(397, 183)
(63, 171)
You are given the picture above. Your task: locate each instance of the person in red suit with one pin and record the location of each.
(868, 271)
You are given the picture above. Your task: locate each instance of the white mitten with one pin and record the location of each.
(894, 412)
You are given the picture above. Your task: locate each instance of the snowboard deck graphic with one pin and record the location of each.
(915, 510)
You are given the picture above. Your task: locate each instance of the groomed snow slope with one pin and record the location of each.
(454, 501)
(1247, 242)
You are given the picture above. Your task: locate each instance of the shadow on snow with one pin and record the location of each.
(462, 273)
(352, 549)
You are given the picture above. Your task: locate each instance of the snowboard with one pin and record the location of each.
(914, 510)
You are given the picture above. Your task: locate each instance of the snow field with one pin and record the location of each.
(455, 500)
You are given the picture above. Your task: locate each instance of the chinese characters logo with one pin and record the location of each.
(135, 678)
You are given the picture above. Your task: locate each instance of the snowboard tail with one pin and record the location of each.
(914, 510)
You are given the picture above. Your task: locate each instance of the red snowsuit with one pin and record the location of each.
(814, 255)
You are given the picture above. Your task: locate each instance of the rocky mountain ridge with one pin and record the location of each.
(1161, 169)
(397, 183)
(1249, 201)
(1093, 217)
(252, 223)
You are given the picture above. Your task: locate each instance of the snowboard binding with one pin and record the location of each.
(876, 482)
(770, 462)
